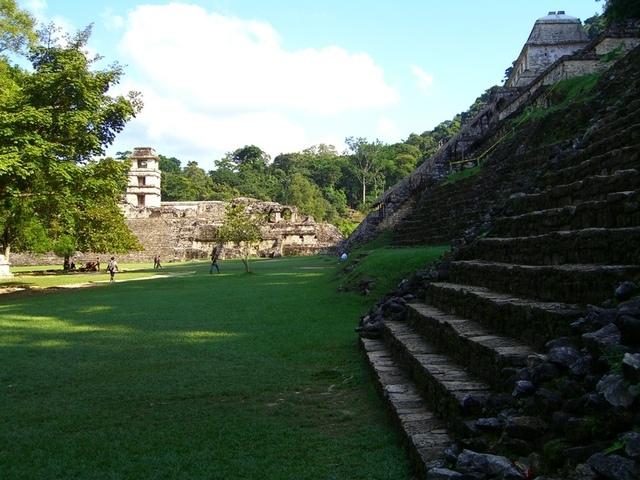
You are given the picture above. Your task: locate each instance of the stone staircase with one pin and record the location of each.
(567, 240)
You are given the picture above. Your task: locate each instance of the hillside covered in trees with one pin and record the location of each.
(330, 185)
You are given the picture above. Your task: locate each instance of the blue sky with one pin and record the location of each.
(284, 74)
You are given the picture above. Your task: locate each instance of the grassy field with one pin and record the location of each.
(44, 276)
(223, 376)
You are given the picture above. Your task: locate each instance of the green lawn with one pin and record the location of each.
(228, 376)
(43, 276)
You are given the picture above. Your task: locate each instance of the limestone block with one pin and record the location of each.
(4, 267)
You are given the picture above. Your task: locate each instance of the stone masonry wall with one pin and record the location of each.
(179, 231)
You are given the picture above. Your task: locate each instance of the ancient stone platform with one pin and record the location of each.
(556, 228)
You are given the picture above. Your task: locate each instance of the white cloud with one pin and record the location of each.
(221, 82)
(111, 20)
(36, 6)
(425, 79)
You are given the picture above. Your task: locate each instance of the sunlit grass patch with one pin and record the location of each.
(193, 376)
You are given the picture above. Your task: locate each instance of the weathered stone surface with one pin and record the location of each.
(525, 428)
(632, 444)
(564, 356)
(582, 366)
(625, 291)
(491, 424)
(558, 342)
(614, 467)
(480, 309)
(548, 400)
(444, 474)
(523, 388)
(631, 367)
(602, 340)
(583, 472)
(630, 307)
(615, 391)
(598, 317)
(544, 372)
(470, 462)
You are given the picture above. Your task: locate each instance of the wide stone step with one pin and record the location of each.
(619, 246)
(570, 283)
(452, 392)
(619, 210)
(534, 322)
(469, 343)
(625, 158)
(624, 129)
(595, 187)
(424, 434)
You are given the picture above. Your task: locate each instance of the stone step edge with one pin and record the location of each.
(460, 393)
(566, 267)
(612, 197)
(588, 163)
(504, 351)
(505, 298)
(565, 233)
(556, 191)
(424, 435)
(533, 322)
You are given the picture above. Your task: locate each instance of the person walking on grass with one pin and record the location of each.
(112, 268)
(215, 254)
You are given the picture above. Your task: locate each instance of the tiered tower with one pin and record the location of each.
(553, 36)
(144, 178)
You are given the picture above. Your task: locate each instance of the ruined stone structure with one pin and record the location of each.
(518, 355)
(144, 179)
(469, 147)
(184, 230)
(552, 37)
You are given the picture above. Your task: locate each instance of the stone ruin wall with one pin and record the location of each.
(184, 230)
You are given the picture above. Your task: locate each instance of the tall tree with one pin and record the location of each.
(616, 10)
(53, 120)
(365, 161)
(240, 229)
(250, 156)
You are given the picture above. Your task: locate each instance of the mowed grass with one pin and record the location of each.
(228, 376)
(50, 276)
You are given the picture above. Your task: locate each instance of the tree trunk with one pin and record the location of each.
(6, 251)
(364, 192)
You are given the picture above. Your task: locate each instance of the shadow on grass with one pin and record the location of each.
(205, 376)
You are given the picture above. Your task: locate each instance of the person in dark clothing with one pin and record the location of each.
(215, 254)
(112, 268)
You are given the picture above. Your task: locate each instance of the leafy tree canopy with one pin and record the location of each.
(54, 120)
(16, 28)
(616, 10)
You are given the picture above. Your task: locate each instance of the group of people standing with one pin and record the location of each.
(112, 266)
